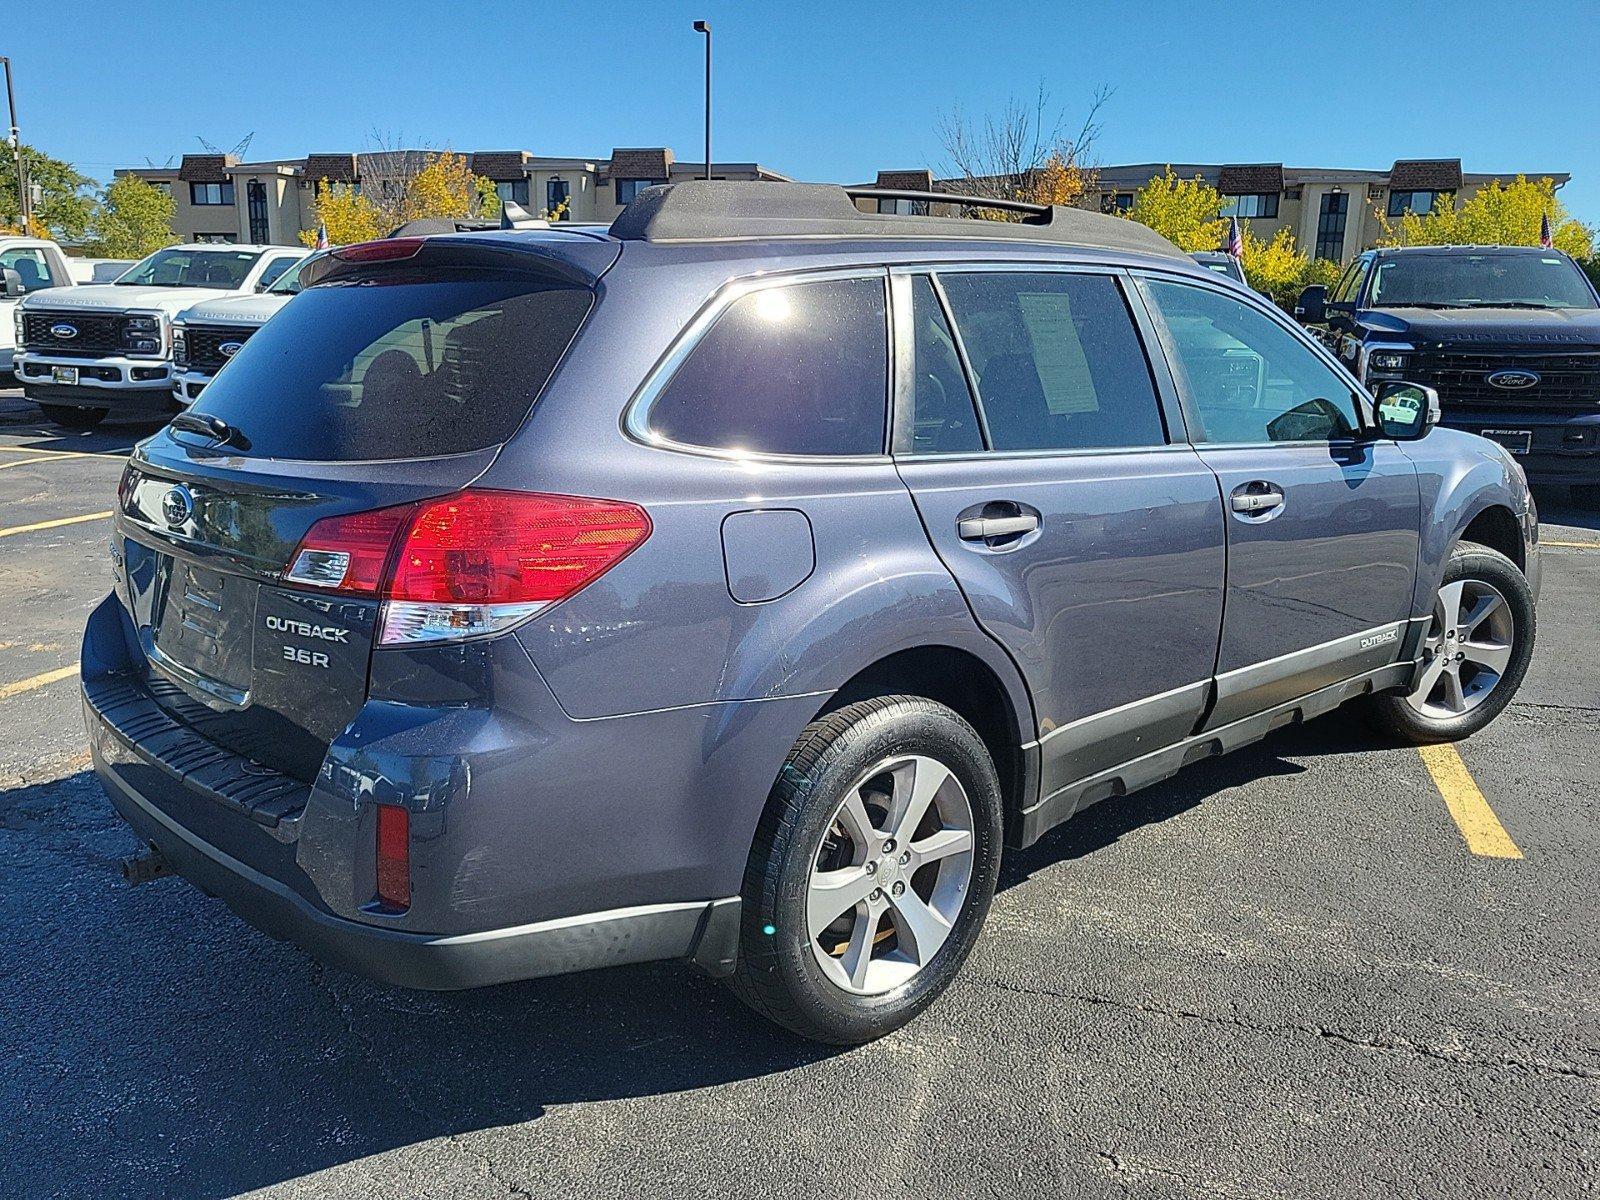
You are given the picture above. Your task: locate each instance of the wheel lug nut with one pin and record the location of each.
(888, 846)
(905, 858)
(872, 867)
(877, 894)
(899, 889)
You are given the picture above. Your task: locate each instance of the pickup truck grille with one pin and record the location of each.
(1567, 380)
(98, 334)
(205, 344)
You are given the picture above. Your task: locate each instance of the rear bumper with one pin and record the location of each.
(703, 932)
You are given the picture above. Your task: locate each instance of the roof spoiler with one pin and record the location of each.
(721, 210)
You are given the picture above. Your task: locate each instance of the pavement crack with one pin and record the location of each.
(1123, 1165)
(1457, 1055)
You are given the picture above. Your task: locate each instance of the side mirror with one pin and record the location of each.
(1406, 411)
(1312, 307)
(13, 283)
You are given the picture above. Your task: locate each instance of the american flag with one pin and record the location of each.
(1546, 238)
(1235, 245)
(322, 235)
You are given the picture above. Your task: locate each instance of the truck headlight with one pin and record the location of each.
(1387, 361)
(141, 334)
(180, 346)
(21, 327)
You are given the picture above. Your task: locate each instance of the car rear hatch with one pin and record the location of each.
(393, 378)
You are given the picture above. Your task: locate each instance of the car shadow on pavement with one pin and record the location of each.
(1557, 507)
(167, 1048)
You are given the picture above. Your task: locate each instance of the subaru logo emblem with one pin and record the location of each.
(1513, 380)
(177, 505)
(229, 349)
(63, 332)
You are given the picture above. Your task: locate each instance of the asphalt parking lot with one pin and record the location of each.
(1284, 973)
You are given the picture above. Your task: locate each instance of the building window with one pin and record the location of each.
(1330, 225)
(1116, 202)
(256, 198)
(211, 193)
(1260, 204)
(514, 191)
(558, 192)
(904, 208)
(1412, 202)
(627, 189)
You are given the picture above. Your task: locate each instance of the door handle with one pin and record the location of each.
(1252, 499)
(977, 529)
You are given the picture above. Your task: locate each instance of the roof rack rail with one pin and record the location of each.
(956, 198)
(706, 210)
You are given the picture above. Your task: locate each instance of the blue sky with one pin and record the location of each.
(815, 90)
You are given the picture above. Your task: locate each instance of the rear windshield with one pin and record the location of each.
(192, 268)
(398, 367)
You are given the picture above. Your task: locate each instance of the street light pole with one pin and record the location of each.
(24, 201)
(705, 28)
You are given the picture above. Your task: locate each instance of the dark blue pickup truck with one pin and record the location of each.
(1509, 336)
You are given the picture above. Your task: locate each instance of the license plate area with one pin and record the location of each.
(67, 375)
(200, 631)
(1518, 441)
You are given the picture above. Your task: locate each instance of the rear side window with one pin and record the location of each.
(797, 369)
(943, 419)
(1057, 361)
(432, 362)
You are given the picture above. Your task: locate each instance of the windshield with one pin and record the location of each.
(1479, 281)
(288, 283)
(182, 266)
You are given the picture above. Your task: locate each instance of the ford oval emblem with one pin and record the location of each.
(229, 349)
(177, 505)
(1513, 380)
(63, 332)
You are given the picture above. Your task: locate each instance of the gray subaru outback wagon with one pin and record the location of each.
(730, 585)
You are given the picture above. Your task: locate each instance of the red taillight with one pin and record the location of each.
(386, 250)
(394, 856)
(348, 553)
(483, 547)
(470, 563)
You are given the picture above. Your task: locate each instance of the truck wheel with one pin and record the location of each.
(1476, 651)
(73, 418)
(871, 872)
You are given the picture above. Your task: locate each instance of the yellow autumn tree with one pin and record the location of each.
(1187, 212)
(443, 186)
(1497, 215)
(346, 213)
(1274, 267)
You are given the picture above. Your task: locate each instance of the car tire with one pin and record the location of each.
(1586, 495)
(1483, 621)
(76, 419)
(881, 961)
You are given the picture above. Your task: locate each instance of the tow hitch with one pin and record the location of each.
(142, 868)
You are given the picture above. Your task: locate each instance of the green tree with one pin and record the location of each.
(1496, 215)
(1275, 268)
(1187, 212)
(132, 219)
(66, 206)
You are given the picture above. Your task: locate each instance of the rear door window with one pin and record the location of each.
(435, 362)
(943, 417)
(1056, 359)
(796, 369)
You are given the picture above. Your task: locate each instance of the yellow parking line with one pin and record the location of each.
(1574, 545)
(114, 452)
(8, 690)
(59, 521)
(22, 462)
(1486, 837)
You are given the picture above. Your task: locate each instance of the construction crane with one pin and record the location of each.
(236, 152)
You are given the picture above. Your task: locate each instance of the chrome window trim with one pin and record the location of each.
(635, 414)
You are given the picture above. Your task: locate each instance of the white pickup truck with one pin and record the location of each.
(206, 335)
(85, 352)
(27, 265)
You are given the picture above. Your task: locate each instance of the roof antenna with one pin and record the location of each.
(514, 216)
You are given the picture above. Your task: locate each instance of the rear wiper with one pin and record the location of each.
(214, 428)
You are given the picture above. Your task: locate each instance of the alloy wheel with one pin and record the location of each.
(1467, 649)
(891, 875)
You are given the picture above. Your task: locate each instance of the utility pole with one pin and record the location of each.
(705, 28)
(24, 200)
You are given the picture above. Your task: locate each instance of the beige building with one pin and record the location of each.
(1333, 213)
(217, 198)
